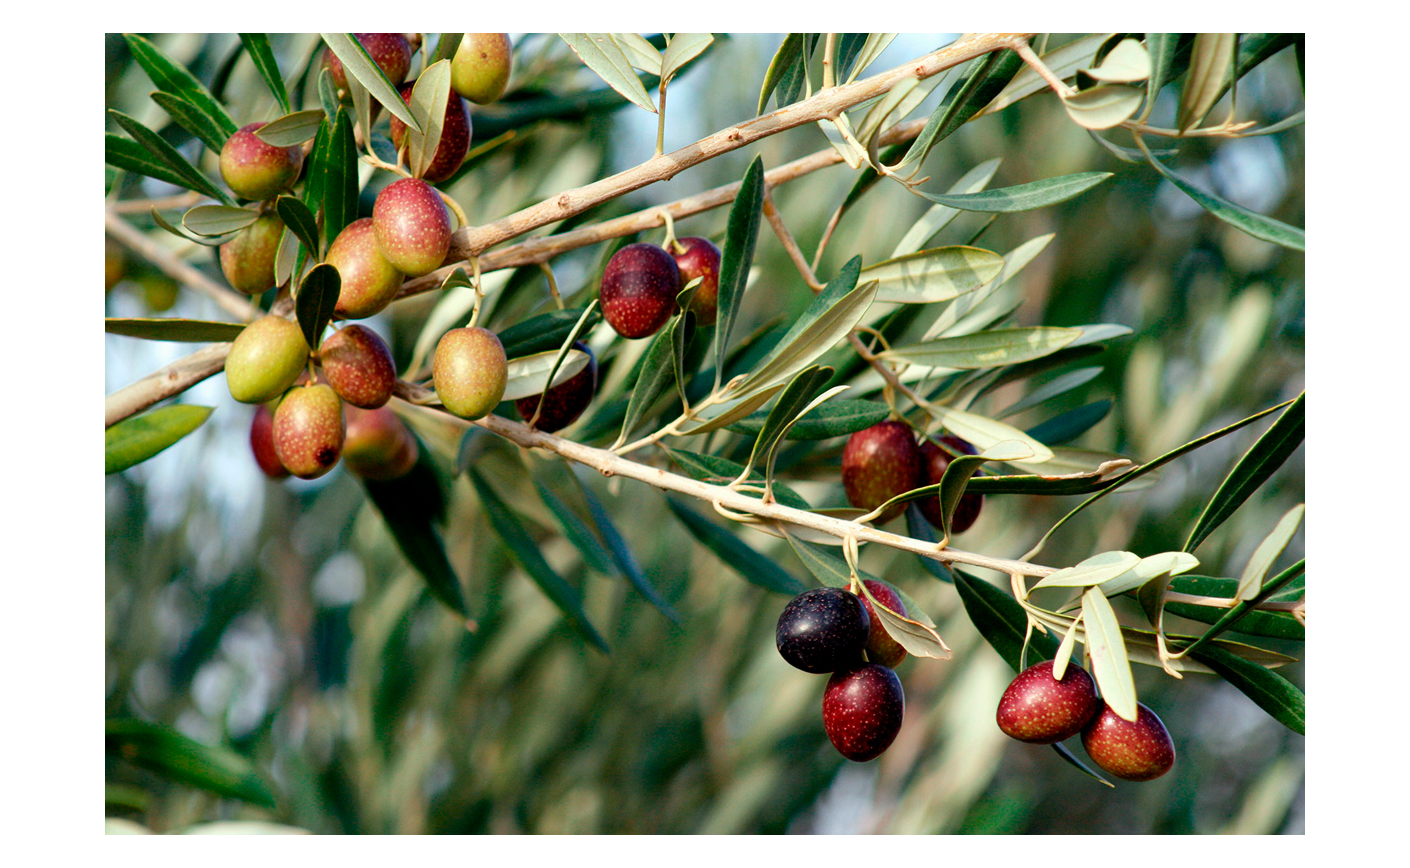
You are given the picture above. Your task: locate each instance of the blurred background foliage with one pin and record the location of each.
(281, 620)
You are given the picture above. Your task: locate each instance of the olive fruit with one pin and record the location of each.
(265, 359)
(247, 260)
(358, 365)
(114, 262)
(309, 430)
(262, 443)
(455, 137)
(699, 257)
(881, 647)
(638, 292)
(378, 445)
(1040, 709)
(390, 51)
(879, 463)
(368, 282)
(479, 70)
(936, 461)
(565, 402)
(470, 371)
(862, 710)
(1134, 751)
(256, 170)
(823, 630)
(412, 226)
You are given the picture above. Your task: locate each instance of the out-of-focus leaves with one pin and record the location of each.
(722, 471)
(543, 332)
(624, 559)
(243, 827)
(173, 329)
(933, 275)
(1023, 197)
(1272, 692)
(137, 438)
(744, 560)
(132, 157)
(317, 298)
(192, 119)
(158, 151)
(359, 66)
(577, 532)
(1241, 218)
(526, 552)
(1068, 426)
(185, 760)
(604, 57)
(214, 220)
(257, 44)
(784, 60)
(654, 380)
(986, 349)
(833, 419)
(172, 77)
(738, 253)
(409, 505)
(1253, 469)
(1057, 386)
(1001, 621)
(291, 129)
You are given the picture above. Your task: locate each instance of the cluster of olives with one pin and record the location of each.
(1040, 709)
(641, 281)
(882, 461)
(836, 631)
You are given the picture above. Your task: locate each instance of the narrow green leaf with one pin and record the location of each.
(603, 56)
(409, 506)
(655, 377)
(1092, 571)
(1063, 62)
(986, 349)
(1001, 621)
(1108, 652)
(1251, 580)
(1258, 464)
(964, 101)
(1047, 486)
(160, 151)
(130, 156)
(544, 332)
(317, 298)
(722, 471)
(744, 560)
(795, 76)
(291, 129)
(1070, 759)
(983, 433)
(172, 755)
(1150, 567)
(728, 412)
(328, 93)
(1066, 427)
(1211, 65)
(1272, 692)
(192, 119)
(137, 438)
(1023, 197)
(215, 220)
(785, 59)
(165, 224)
(300, 220)
(870, 50)
(833, 419)
(681, 337)
(683, 48)
(938, 274)
(339, 178)
(1060, 385)
(360, 67)
(738, 254)
(530, 375)
(793, 400)
(257, 44)
(173, 329)
(831, 315)
(622, 556)
(639, 51)
(446, 46)
(429, 98)
(876, 116)
(172, 77)
(1160, 48)
(940, 216)
(828, 568)
(526, 552)
(577, 532)
(1242, 617)
(1249, 222)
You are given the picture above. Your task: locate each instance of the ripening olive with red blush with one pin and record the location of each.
(879, 463)
(937, 460)
(1040, 709)
(638, 292)
(862, 710)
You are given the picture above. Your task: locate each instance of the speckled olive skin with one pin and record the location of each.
(262, 443)
(1139, 751)
(936, 461)
(565, 402)
(823, 630)
(879, 463)
(1039, 709)
(700, 258)
(412, 226)
(368, 281)
(255, 170)
(378, 445)
(265, 359)
(470, 371)
(390, 51)
(358, 365)
(247, 260)
(639, 287)
(862, 711)
(456, 131)
(881, 647)
(309, 430)
(479, 71)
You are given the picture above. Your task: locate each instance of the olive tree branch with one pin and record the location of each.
(168, 262)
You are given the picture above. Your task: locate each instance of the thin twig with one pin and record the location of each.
(786, 239)
(175, 378)
(1025, 51)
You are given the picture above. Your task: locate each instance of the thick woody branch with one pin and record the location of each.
(174, 379)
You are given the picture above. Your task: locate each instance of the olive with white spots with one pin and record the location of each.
(823, 630)
(309, 430)
(1039, 709)
(862, 711)
(412, 226)
(639, 287)
(1139, 750)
